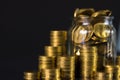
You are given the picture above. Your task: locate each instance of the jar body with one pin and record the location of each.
(93, 42)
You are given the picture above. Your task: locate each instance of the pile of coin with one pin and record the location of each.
(90, 44)
(30, 75)
(47, 69)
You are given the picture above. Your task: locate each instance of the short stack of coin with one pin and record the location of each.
(53, 51)
(58, 38)
(50, 74)
(30, 75)
(109, 70)
(88, 61)
(67, 66)
(46, 62)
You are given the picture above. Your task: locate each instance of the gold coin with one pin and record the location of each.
(84, 11)
(82, 34)
(102, 13)
(101, 30)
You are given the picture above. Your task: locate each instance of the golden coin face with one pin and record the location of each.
(101, 30)
(82, 34)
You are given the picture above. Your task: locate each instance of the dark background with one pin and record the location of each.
(25, 27)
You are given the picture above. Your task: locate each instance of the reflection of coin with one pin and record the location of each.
(101, 30)
(82, 34)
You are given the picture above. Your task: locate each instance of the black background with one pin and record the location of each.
(25, 27)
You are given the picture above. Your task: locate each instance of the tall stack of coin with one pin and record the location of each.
(50, 74)
(30, 76)
(46, 62)
(67, 66)
(109, 70)
(58, 38)
(88, 61)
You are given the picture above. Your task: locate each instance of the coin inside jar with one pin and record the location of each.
(102, 30)
(82, 33)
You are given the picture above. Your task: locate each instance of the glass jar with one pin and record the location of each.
(79, 33)
(105, 39)
(93, 41)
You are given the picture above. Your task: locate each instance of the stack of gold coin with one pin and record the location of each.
(118, 60)
(30, 75)
(46, 62)
(53, 50)
(50, 74)
(117, 72)
(58, 38)
(100, 76)
(67, 66)
(88, 61)
(109, 72)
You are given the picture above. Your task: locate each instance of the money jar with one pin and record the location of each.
(93, 40)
